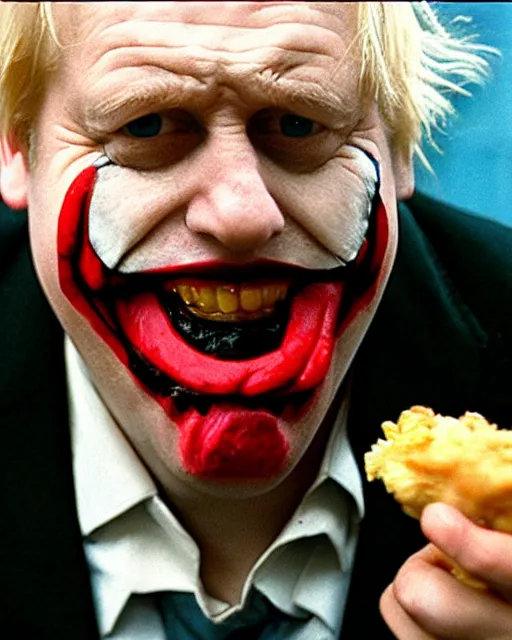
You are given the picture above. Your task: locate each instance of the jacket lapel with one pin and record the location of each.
(423, 348)
(44, 583)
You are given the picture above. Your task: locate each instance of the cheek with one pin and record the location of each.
(129, 209)
(388, 183)
(333, 203)
(43, 220)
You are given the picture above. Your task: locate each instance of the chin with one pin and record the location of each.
(244, 361)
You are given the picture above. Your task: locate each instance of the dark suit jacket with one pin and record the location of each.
(442, 337)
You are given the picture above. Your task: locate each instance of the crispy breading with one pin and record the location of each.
(465, 462)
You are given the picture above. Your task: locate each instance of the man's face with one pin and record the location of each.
(219, 264)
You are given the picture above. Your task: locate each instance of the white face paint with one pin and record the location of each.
(136, 222)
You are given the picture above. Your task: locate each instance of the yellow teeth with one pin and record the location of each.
(227, 299)
(231, 302)
(250, 299)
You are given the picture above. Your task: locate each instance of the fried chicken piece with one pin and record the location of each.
(466, 463)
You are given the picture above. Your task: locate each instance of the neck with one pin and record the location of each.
(233, 533)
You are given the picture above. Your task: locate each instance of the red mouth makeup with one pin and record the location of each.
(309, 336)
(229, 426)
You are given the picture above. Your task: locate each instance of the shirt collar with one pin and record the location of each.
(327, 517)
(109, 477)
(338, 463)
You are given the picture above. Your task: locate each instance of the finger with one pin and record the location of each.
(483, 553)
(400, 623)
(444, 608)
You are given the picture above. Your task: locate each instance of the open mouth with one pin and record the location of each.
(225, 356)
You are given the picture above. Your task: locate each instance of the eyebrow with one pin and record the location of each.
(310, 97)
(110, 107)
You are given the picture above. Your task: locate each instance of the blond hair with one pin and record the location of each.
(28, 51)
(410, 65)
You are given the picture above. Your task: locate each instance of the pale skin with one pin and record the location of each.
(83, 115)
(425, 602)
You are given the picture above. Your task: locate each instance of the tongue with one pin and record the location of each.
(300, 363)
(232, 442)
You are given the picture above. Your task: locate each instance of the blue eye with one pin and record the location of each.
(296, 126)
(145, 127)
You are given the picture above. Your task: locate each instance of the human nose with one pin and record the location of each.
(233, 204)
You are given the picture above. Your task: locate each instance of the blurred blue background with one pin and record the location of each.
(475, 170)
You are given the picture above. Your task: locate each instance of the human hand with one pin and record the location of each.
(426, 602)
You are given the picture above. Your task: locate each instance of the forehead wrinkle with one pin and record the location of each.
(264, 68)
(219, 35)
(76, 23)
(107, 39)
(282, 53)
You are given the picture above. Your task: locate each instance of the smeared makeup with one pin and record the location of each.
(269, 340)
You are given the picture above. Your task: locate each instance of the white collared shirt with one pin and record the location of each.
(135, 545)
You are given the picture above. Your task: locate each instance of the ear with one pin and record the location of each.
(13, 173)
(403, 169)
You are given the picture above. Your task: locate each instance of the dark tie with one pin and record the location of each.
(259, 620)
